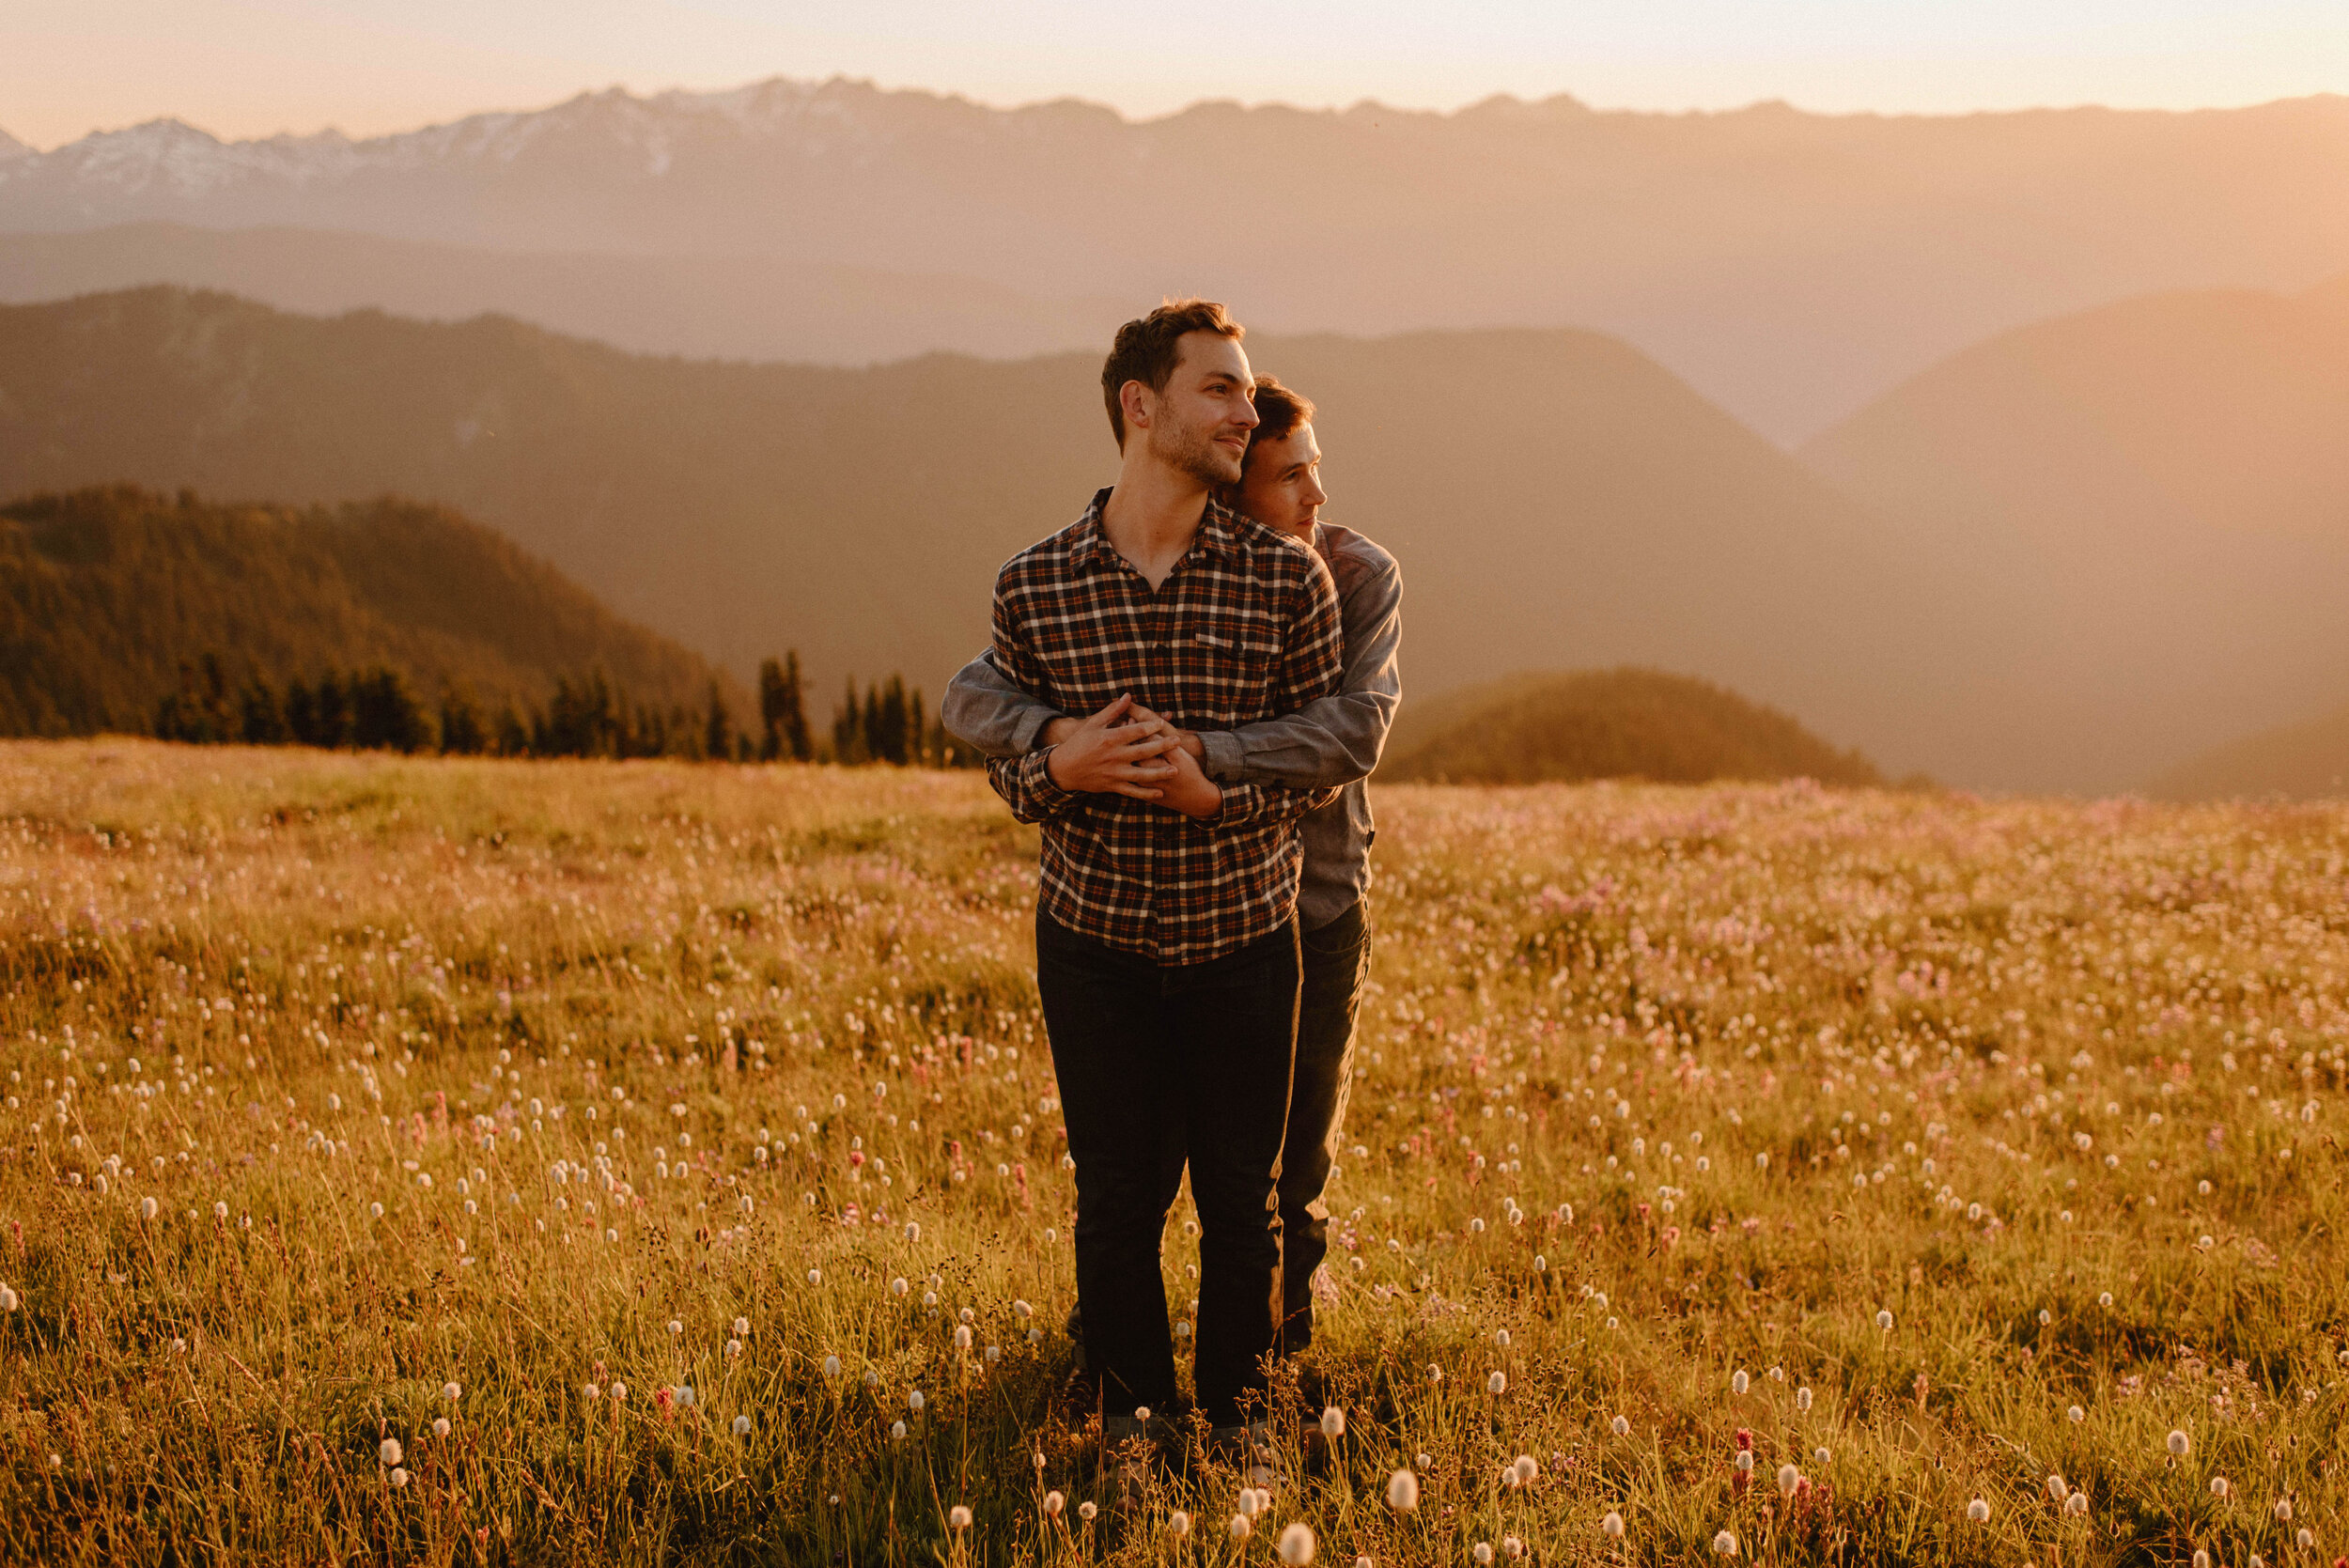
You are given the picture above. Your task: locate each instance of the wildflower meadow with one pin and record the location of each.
(458, 1161)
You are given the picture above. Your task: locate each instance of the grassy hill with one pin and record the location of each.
(2165, 483)
(1536, 728)
(1558, 501)
(104, 593)
(2302, 762)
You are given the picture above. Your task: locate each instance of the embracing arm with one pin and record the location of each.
(1337, 738)
(987, 711)
(1025, 782)
(1311, 665)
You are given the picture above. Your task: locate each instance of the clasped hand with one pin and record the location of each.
(1127, 750)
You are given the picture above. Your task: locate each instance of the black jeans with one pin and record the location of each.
(1159, 1065)
(1336, 961)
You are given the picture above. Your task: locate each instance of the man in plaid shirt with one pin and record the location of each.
(1166, 940)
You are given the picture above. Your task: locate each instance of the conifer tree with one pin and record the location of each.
(199, 712)
(462, 731)
(794, 736)
(513, 733)
(887, 720)
(302, 713)
(869, 727)
(782, 716)
(848, 729)
(261, 720)
(718, 728)
(330, 713)
(385, 715)
(769, 708)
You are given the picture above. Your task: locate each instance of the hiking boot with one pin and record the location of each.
(1153, 1429)
(1079, 1399)
(1248, 1450)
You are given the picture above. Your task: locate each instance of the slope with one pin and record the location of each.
(2302, 762)
(1537, 728)
(1558, 498)
(2166, 481)
(103, 594)
(714, 306)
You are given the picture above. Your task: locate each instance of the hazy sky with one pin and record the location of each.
(245, 68)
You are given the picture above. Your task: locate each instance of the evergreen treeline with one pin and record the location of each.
(111, 599)
(384, 625)
(375, 709)
(889, 724)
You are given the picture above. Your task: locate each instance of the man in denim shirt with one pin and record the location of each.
(1333, 741)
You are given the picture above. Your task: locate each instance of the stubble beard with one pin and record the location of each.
(1192, 450)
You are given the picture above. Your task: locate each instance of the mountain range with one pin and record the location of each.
(2064, 559)
(1561, 500)
(1789, 266)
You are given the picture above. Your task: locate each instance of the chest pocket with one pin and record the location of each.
(1233, 662)
(1235, 643)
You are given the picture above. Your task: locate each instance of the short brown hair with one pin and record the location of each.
(1147, 350)
(1279, 410)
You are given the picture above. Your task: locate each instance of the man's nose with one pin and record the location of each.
(1314, 494)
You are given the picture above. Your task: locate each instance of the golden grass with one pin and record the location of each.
(335, 1080)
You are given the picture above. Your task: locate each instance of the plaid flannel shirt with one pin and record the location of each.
(1245, 627)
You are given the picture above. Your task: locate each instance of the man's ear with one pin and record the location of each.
(1135, 400)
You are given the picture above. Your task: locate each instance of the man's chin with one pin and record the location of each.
(1208, 471)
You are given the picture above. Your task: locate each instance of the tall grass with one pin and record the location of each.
(335, 1081)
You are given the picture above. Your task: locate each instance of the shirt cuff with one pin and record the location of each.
(1035, 782)
(1219, 754)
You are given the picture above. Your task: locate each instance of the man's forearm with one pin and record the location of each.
(1321, 746)
(986, 710)
(1339, 739)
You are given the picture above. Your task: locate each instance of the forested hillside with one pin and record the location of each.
(107, 594)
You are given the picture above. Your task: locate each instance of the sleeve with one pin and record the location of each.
(1338, 739)
(1024, 782)
(1312, 661)
(987, 713)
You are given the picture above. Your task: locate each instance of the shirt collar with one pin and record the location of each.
(1218, 531)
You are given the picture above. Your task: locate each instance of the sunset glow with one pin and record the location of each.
(253, 67)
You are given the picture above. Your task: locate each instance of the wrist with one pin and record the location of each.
(1057, 730)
